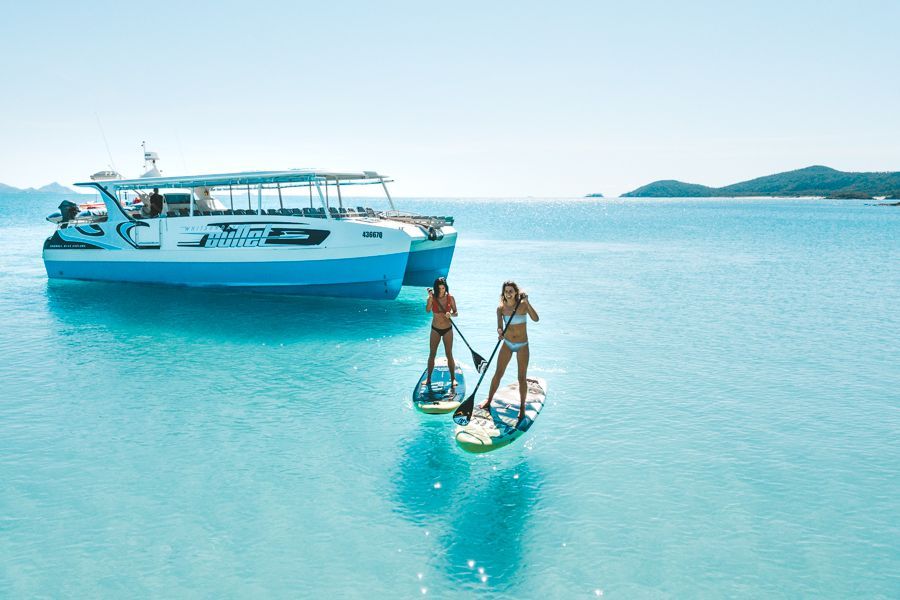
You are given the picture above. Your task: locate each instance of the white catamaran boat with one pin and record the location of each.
(199, 241)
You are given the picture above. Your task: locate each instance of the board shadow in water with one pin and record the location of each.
(430, 474)
(476, 514)
(489, 527)
(206, 313)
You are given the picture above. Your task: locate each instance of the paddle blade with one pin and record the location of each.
(481, 364)
(464, 412)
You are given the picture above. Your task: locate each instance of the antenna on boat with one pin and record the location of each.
(112, 163)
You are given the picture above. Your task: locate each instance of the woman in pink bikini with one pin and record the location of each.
(442, 306)
(515, 340)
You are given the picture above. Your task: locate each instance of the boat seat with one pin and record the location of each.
(272, 211)
(169, 213)
(284, 211)
(183, 212)
(333, 211)
(295, 211)
(361, 210)
(229, 212)
(370, 213)
(217, 213)
(204, 213)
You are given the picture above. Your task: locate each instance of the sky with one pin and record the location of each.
(461, 99)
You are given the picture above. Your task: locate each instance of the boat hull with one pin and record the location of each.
(429, 259)
(375, 277)
(281, 255)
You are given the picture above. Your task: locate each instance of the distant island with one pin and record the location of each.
(811, 181)
(50, 188)
(594, 195)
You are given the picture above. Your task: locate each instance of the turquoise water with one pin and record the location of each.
(722, 418)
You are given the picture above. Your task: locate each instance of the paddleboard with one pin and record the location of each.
(439, 398)
(486, 432)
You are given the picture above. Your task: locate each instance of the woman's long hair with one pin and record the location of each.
(441, 281)
(510, 283)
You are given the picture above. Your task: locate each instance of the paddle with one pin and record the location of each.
(477, 358)
(464, 413)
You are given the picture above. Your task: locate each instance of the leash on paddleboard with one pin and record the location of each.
(478, 359)
(463, 414)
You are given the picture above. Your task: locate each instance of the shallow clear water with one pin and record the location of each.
(722, 418)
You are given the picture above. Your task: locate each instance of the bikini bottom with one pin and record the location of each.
(515, 346)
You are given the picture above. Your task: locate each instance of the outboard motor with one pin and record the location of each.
(435, 234)
(68, 210)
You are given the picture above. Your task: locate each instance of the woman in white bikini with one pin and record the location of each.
(442, 306)
(515, 340)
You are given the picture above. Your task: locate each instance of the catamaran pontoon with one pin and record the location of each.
(328, 250)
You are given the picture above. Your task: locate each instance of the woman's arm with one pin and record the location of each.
(499, 321)
(430, 300)
(452, 307)
(530, 309)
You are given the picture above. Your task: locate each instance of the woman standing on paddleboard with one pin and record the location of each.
(442, 306)
(515, 309)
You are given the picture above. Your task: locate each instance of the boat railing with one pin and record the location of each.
(416, 219)
(335, 212)
(77, 221)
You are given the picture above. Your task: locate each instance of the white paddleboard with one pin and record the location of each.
(486, 432)
(439, 398)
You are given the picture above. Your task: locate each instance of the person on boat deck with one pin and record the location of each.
(156, 203)
(514, 341)
(442, 306)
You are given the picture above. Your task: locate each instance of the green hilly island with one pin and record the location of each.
(811, 181)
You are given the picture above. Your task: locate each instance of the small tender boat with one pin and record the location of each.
(69, 211)
(203, 239)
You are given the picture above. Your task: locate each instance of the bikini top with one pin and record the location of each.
(516, 319)
(450, 304)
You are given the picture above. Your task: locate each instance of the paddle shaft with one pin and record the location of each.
(477, 358)
(468, 406)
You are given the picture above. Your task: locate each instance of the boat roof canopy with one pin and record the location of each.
(251, 178)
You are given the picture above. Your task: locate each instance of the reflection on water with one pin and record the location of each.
(205, 312)
(430, 475)
(490, 528)
(179, 439)
(477, 507)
